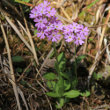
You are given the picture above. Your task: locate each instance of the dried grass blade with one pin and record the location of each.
(31, 42)
(103, 30)
(23, 98)
(18, 33)
(12, 80)
(98, 55)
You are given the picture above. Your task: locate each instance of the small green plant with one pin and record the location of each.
(22, 1)
(97, 76)
(62, 84)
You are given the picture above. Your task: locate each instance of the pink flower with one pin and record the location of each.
(41, 35)
(40, 22)
(54, 36)
(69, 37)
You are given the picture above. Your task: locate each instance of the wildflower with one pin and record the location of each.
(42, 11)
(50, 12)
(78, 40)
(76, 27)
(69, 37)
(46, 3)
(84, 31)
(40, 22)
(49, 28)
(41, 34)
(33, 13)
(55, 36)
(53, 19)
(58, 26)
(67, 29)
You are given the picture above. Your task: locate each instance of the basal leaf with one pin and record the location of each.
(17, 59)
(60, 103)
(61, 65)
(67, 84)
(79, 58)
(85, 94)
(72, 94)
(65, 75)
(60, 57)
(60, 87)
(50, 76)
(52, 94)
(51, 84)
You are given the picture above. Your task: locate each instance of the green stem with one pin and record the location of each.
(75, 63)
(55, 51)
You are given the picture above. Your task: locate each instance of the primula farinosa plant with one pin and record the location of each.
(48, 25)
(63, 84)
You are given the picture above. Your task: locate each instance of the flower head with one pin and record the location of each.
(69, 37)
(79, 40)
(67, 29)
(58, 26)
(40, 22)
(50, 12)
(33, 13)
(84, 31)
(76, 27)
(49, 26)
(54, 37)
(41, 35)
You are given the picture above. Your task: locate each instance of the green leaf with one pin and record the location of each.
(35, 31)
(67, 84)
(61, 65)
(79, 58)
(17, 59)
(19, 70)
(90, 39)
(51, 85)
(60, 103)
(74, 82)
(21, 1)
(26, 1)
(72, 94)
(60, 57)
(28, 70)
(97, 76)
(52, 94)
(85, 94)
(56, 67)
(65, 75)
(50, 76)
(59, 88)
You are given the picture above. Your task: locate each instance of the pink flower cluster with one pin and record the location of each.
(49, 26)
(75, 32)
